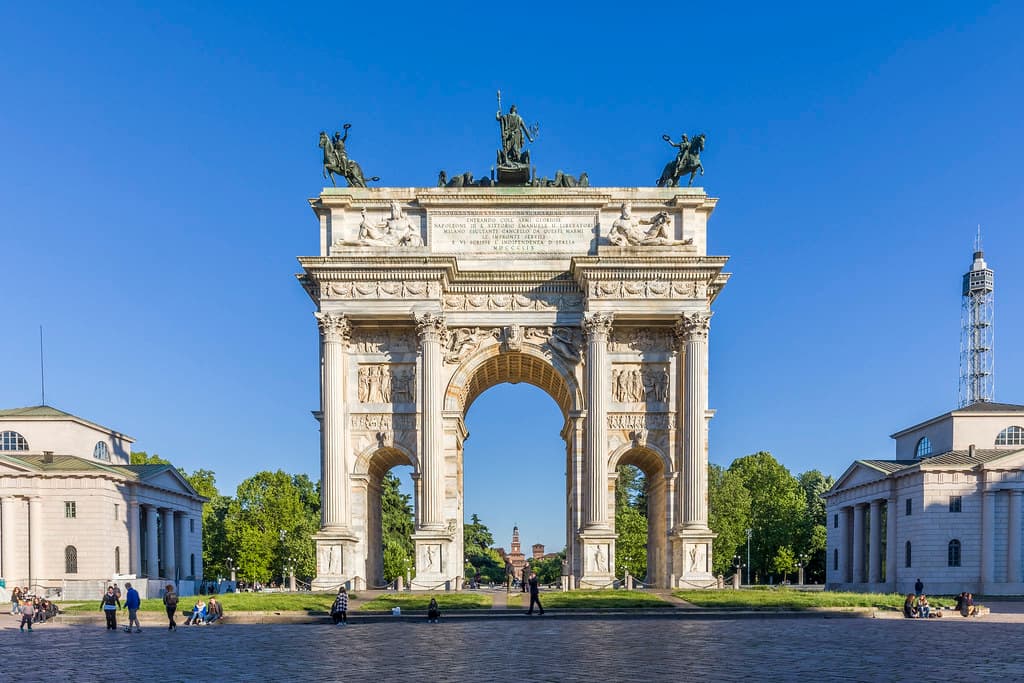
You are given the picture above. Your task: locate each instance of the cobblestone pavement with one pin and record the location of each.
(530, 649)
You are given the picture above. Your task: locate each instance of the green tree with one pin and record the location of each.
(214, 513)
(631, 489)
(784, 561)
(728, 516)
(778, 507)
(488, 563)
(631, 544)
(396, 528)
(812, 543)
(549, 570)
(476, 537)
(143, 458)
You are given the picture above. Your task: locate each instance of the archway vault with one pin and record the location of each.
(493, 366)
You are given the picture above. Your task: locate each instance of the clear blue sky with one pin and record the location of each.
(155, 164)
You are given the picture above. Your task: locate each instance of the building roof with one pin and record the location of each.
(989, 407)
(35, 412)
(68, 463)
(889, 466)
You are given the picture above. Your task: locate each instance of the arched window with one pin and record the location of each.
(906, 554)
(924, 447)
(70, 560)
(954, 553)
(12, 441)
(117, 560)
(1011, 436)
(101, 452)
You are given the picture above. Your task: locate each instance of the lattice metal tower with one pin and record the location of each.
(977, 363)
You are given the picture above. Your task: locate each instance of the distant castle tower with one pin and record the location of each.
(516, 557)
(977, 363)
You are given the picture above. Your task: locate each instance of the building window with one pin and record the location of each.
(924, 447)
(192, 564)
(954, 553)
(69, 509)
(835, 521)
(910, 508)
(955, 504)
(117, 560)
(12, 441)
(1011, 436)
(117, 511)
(835, 560)
(70, 560)
(906, 555)
(192, 525)
(101, 452)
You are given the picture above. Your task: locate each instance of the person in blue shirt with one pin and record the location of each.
(132, 601)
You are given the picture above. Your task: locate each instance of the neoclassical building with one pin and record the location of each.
(427, 297)
(75, 515)
(947, 510)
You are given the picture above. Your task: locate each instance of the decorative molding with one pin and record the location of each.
(597, 325)
(640, 339)
(381, 289)
(637, 421)
(378, 340)
(382, 383)
(647, 289)
(489, 301)
(335, 327)
(463, 341)
(431, 327)
(694, 326)
(383, 422)
(640, 384)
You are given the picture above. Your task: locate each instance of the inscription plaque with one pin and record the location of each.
(496, 231)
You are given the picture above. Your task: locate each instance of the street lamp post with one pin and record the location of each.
(231, 568)
(737, 564)
(750, 533)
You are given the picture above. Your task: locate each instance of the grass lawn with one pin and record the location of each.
(596, 599)
(233, 602)
(783, 598)
(419, 601)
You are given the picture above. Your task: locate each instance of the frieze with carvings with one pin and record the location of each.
(382, 341)
(463, 341)
(642, 339)
(512, 302)
(637, 421)
(385, 289)
(647, 289)
(640, 384)
(387, 383)
(383, 422)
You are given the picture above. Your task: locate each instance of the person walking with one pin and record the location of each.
(27, 613)
(171, 604)
(110, 604)
(15, 601)
(918, 588)
(339, 610)
(132, 601)
(534, 593)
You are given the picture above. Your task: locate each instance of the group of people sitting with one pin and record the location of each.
(205, 613)
(918, 607)
(32, 608)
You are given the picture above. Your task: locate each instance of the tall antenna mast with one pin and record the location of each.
(977, 362)
(42, 375)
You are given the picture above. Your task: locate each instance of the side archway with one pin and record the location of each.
(658, 472)
(370, 467)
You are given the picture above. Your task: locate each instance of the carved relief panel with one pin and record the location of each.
(382, 340)
(387, 383)
(647, 383)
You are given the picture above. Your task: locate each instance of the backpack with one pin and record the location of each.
(171, 599)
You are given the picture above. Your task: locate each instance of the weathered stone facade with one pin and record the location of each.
(480, 286)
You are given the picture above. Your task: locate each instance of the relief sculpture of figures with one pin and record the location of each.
(687, 160)
(397, 231)
(336, 160)
(381, 384)
(626, 230)
(636, 385)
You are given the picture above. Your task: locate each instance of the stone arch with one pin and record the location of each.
(659, 470)
(370, 467)
(376, 460)
(491, 365)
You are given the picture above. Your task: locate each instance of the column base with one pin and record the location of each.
(598, 547)
(433, 562)
(691, 559)
(336, 561)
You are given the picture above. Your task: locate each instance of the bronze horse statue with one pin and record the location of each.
(336, 161)
(690, 163)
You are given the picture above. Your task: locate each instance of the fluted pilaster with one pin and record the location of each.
(431, 330)
(152, 556)
(37, 570)
(335, 330)
(1013, 558)
(875, 544)
(597, 326)
(170, 566)
(692, 335)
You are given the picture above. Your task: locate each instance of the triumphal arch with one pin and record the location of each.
(426, 297)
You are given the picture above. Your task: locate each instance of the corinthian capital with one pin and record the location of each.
(598, 325)
(693, 326)
(335, 327)
(430, 327)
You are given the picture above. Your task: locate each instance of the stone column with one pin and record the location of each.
(7, 506)
(134, 527)
(988, 526)
(875, 544)
(847, 552)
(152, 534)
(692, 330)
(1013, 558)
(167, 517)
(859, 512)
(35, 544)
(836, 570)
(335, 331)
(431, 329)
(890, 543)
(597, 326)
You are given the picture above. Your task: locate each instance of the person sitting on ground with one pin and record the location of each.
(909, 611)
(433, 611)
(198, 614)
(339, 610)
(214, 610)
(972, 611)
(923, 608)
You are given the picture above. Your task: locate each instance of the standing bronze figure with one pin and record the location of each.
(513, 163)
